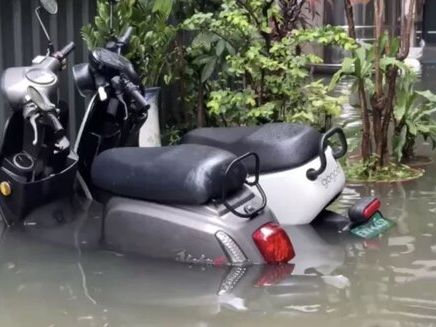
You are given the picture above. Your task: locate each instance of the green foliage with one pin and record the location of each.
(413, 116)
(171, 135)
(369, 171)
(412, 109)
(151, 46)
(361, 64)
(252, 73)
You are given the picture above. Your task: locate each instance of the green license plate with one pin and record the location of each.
(376, 226)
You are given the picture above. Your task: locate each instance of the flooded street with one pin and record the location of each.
(53, 275)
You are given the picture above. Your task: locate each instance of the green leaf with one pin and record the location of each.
(203, 60)
(348, 65)
(399, 141)
(203, 39)
(167, 79)
(208, 70)
(220, 47)
(392, 61)
(430, 96)
(412, 128)
(163, 6)
(335, 79)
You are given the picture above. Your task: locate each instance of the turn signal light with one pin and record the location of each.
(274, 244)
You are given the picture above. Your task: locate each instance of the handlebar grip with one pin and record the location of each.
(59, 130)
(124, 39)
(67, 50)
(139, 99)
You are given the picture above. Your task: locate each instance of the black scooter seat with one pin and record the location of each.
(185, 174)
(280, 146)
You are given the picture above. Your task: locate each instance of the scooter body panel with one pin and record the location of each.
(15, 81)
(291, 194)
(36, 164)
(184, 233)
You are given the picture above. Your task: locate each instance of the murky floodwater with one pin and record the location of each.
(58, 276)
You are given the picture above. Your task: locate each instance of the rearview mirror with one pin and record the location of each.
(51, 6)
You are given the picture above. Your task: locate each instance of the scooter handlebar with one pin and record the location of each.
(59, 130)
(62, 142)
(139, 99)
(65, 51)
(133, 91)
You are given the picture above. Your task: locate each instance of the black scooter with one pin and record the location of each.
(188, 203)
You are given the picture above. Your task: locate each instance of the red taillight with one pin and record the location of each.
(274, 244)
(372, 208)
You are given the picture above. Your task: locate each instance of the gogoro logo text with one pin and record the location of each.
(331, 178)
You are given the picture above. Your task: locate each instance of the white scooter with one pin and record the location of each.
(300, 172)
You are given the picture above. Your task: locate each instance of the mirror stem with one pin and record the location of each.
(50, 43)
(111, 17)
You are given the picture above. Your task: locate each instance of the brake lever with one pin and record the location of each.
(126, 110)
(32, 120)
(117, 83)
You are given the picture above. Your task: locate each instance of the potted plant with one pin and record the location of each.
(150, 48)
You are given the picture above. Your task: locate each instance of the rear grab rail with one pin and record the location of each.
(313, 174)
(253, 211)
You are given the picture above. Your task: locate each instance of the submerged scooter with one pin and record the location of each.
(79, 273)
(299, 169)
(189, 203)
(36, 163)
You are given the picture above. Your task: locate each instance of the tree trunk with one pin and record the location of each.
(378, 100)
(379, 23)
(407, 21)
(366, 146)
(409, 150)
(382, 148)
(350, 18)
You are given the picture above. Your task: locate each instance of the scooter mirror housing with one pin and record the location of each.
(51, 6)
(40, 99)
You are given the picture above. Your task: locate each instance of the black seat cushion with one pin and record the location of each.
(280, 146)
(184, 174)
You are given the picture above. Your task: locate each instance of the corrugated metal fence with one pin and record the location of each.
(21, 39)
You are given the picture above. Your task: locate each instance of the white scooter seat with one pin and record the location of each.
(185, 174)
(280, 146)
